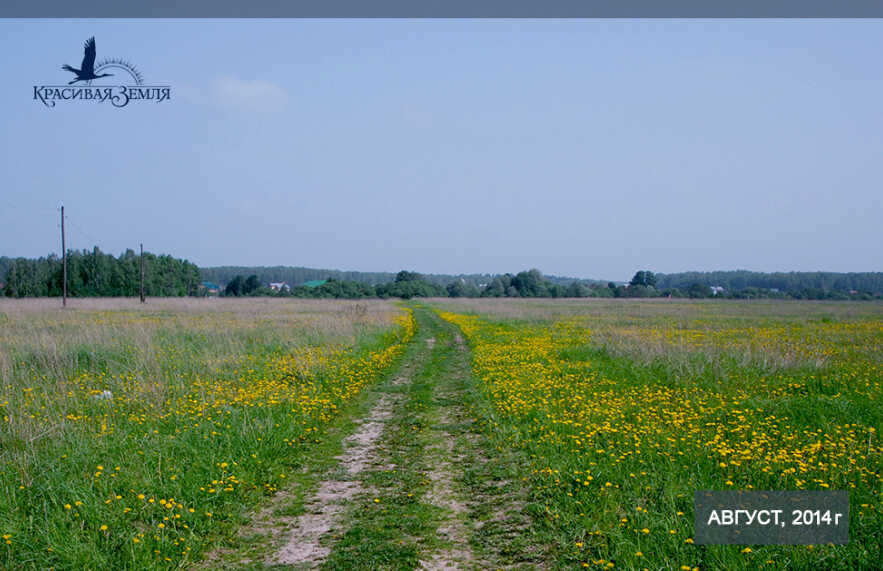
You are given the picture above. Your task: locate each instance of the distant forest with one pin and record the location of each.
(94, 273)
(792, 281)
(738, 283)
(296, 276)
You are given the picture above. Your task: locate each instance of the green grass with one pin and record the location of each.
(393, 525)
(619, 428)
(246, 550)
(213, 408)
(580, 430)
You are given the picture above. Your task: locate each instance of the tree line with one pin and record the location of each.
(783, 281)
(647, 284)
(532, 283)
(404, 285)
(96, 274)
(298, 275)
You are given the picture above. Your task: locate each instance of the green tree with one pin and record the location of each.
(405, 276)
(576, 289)
(236, 286)
(461, 288)
(530, 283)
(698, 290)
(644, 278)
(498, 286)
(251, 285)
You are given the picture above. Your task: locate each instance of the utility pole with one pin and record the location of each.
(63, 264)
(142, 273)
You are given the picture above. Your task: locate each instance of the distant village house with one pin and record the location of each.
(210, 288)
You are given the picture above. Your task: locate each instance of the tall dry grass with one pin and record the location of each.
(43, 347)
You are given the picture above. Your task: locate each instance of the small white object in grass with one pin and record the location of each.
(104, 395)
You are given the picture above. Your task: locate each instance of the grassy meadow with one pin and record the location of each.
(135, 436)
(147, 436)
(625, 408)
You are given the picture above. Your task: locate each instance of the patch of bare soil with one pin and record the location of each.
(458, 554)
(325, 509)
(498, 504)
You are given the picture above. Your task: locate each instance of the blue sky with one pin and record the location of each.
(588, 148)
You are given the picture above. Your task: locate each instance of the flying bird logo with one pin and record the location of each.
(87, 69)
(118, 95)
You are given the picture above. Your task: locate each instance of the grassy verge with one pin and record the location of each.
(250, 548)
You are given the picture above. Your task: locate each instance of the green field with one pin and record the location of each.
(136, 436)
(451, 434)
(627, 408)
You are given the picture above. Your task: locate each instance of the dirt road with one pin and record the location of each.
(405, 482)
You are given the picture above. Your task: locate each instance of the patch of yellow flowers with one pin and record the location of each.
(177, 452)
(607, 435)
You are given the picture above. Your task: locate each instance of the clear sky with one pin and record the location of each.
(588, 148)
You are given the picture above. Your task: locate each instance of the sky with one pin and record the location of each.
(585, 148)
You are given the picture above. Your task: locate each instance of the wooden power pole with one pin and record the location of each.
(142, 273)
(63, 264)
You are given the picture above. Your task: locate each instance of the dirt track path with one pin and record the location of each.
(325, 508)
(457, 553)
(407, 483)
